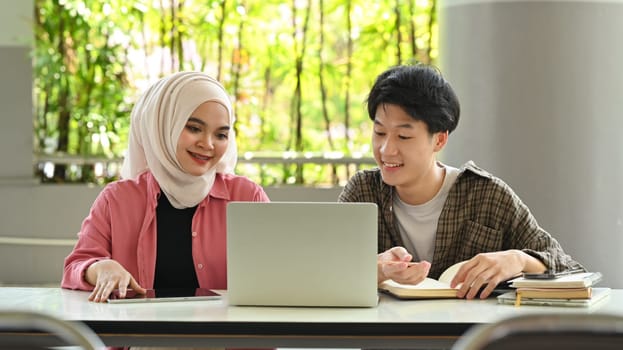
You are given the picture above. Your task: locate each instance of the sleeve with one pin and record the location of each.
(260, 195)
(527, 235)
(94, 244)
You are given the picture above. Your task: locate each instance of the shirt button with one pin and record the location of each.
(194, 234)
(200, 266)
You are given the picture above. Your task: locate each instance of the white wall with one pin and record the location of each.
(40, 223)
(16, 116)
(16, 22)
(540, 85)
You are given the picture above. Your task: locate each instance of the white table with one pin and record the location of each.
(392, 324)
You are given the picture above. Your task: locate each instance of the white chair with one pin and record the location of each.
(546, 331)
(22, 326)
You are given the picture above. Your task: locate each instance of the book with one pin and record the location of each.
(575, 280)
(598, 295)
(555, 293)
(428, 289)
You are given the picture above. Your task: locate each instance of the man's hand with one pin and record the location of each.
(395, 263)
(487, 270)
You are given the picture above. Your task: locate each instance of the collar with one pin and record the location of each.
(471, 167)
(219, 188)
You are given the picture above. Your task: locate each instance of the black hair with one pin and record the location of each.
(421, 91)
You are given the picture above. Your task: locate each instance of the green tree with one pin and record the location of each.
(298, 72)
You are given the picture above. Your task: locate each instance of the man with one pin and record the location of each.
(433, 215)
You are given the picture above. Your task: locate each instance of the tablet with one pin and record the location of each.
(164, 294)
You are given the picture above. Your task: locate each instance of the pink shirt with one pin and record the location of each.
(122, 226)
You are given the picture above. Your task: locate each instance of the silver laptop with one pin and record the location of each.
(302, 254)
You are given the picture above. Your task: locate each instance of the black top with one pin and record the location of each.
(174, 260)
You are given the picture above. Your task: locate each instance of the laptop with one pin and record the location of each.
(315, 254)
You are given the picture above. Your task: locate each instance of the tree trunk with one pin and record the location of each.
(63, 105)
(412, 29)
(163, 42)
(172, 37)
(432, 18)
(221, 33)
(236, 68)
(349, 72)
(323, 90)
(398, 34)
(180, 35)
(300, 55)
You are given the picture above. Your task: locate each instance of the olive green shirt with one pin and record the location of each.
(481, 214)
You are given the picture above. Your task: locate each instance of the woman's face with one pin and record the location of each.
(204, 139)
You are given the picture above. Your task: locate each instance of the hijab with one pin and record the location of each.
(157, 120)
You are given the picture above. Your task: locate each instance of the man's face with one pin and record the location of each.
(403, 149)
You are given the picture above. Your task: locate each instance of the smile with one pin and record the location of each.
(199, 156)
(392, 165)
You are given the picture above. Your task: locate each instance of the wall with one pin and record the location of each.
(540, 85)
(16, 115)
(39, 226)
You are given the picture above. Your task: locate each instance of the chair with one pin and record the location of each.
(17, 328)
(546, 331)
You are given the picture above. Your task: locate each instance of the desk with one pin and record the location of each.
(392, 324)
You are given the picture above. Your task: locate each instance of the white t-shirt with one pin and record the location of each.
(418, 223)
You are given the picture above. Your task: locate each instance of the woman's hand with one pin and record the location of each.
(106, 275)
(395, 263)
(487, 270)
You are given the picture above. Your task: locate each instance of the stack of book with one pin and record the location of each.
(575, 289)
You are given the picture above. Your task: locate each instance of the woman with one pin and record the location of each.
(163, 224)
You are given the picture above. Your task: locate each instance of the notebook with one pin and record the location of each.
(598, 295)
(302, 254)
(574, 280)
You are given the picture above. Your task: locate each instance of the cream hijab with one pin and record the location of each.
(157, 121)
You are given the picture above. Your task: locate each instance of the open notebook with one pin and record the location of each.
(432, 288)
(302, 254)
(427, 289)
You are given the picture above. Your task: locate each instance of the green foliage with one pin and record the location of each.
(92, 59)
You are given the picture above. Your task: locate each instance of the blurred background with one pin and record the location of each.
(539, 83)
